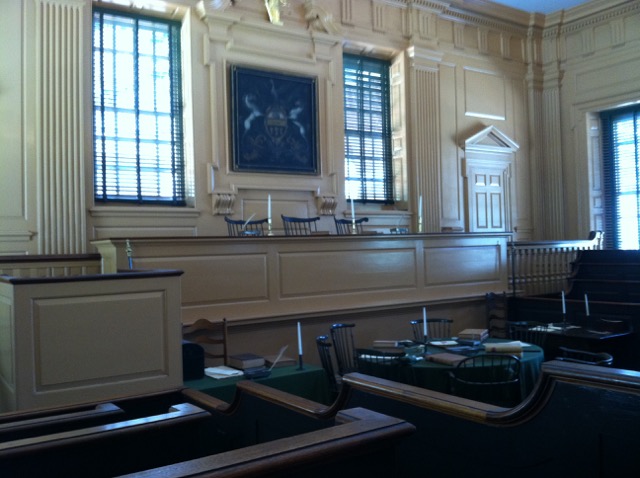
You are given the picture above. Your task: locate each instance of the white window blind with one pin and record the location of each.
(367, 119)
(621, 172)
(138, 150)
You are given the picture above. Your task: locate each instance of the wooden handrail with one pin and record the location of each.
(542, 267)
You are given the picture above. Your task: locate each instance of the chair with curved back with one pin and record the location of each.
(238, 227)
(437, 329)
(488, 378)
(299, 226)
(496, 314)
(212, 336)
(324, 351)
(529, 331)
(344, 227)
(603, 359)
(344, 347)
(388, 365)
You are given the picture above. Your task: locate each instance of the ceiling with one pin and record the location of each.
(541, 6)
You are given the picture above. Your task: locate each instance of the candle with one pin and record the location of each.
(299, 340)
(424, 323)
(586, 304)
(269, 207)
(353, 211)
(564, 307)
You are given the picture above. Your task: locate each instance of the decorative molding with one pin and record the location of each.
(505, 45)
(617, 32)
(346, 10)
(458, 35)
(378, 13)
(588, 41)
(16, 236)
(593, 18)
(320, 19)
(326, 204)
(483, 40)
(223, 203)
(490, 140)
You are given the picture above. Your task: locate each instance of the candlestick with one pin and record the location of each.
(269, 231)
(586, 304)
(564, 307)
(300, 366)
(424, 324)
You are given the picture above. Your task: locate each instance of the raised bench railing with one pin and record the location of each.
(542, 267)
(51, 265)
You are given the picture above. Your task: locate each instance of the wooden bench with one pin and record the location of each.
(262, 432)
(42, 423)
(580, 420)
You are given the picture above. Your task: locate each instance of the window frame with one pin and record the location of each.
(177, 162)
(364, 137)
(611, 176)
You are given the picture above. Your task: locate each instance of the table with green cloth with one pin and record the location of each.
(310, 383)
(435, 376)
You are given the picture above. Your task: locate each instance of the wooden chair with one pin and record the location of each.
(212, 336)
(238, 227)
(603, 359)
(344, 346)
(496, 313)
(324, 351)
(530, 331)
(344, 227)
(488, 378)
(436, 329)
(299, 226)
(387, 365)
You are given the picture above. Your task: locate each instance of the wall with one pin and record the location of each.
(458, 68)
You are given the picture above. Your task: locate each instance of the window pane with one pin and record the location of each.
(621, 162)
(137, 109)
(367, 129)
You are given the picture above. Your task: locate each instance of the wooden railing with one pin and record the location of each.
(542, 267)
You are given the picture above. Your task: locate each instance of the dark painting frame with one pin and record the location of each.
(273, 122)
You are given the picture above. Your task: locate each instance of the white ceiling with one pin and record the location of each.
(541, 6)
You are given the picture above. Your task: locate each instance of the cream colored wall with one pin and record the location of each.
(599, 60)
(463, 66)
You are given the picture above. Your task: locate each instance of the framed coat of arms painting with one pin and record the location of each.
(273, 122)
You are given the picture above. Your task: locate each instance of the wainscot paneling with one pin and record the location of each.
(269, 277)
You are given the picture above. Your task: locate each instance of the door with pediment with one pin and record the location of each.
(487, 169)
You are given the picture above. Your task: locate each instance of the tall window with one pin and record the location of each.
(367, 119)
(621, 167)
(137, 104)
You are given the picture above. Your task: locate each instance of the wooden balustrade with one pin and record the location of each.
(542, 267)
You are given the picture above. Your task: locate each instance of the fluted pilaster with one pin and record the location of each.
(61, 123)
(552, 161)
(424, 104)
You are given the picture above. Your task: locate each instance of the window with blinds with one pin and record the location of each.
(137, 104)
(367, 118)
(621, 172)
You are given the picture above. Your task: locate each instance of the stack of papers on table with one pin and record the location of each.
(446, 358)
(514, 347)
(444, 343)
(222, 371)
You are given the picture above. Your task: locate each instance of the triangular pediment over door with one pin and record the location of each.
(487, 164)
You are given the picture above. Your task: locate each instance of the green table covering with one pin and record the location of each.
(310, 383)
(435, 376)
